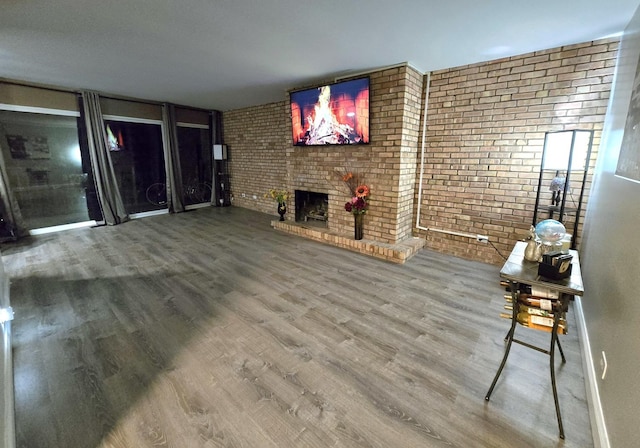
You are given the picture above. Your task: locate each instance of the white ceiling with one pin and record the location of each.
(228, 54)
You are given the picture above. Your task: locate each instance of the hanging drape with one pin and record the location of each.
(215, 130)
(9, 210)
(104, 175)
(175, 192)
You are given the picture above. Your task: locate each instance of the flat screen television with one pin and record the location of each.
(333, 114)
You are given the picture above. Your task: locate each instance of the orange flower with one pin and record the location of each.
(362, 191)
(347, 177)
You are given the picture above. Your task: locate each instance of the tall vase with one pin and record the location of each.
(358, 224)
(282, 209)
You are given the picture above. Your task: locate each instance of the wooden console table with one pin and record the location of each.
(518, 271)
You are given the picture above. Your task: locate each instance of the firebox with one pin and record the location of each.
(312, 207)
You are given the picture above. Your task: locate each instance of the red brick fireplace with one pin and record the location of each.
(387, 165)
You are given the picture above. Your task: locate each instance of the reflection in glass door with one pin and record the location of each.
(195, 163)
(138, 161)
(44, 167)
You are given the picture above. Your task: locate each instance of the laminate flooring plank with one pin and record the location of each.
(210, 329)
(359, 359)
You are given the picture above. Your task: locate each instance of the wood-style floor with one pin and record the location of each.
(210, 329)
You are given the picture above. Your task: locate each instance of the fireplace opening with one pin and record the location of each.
(312, 207)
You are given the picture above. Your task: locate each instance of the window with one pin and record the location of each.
(46, 170)
(138, 161)
(194, 149)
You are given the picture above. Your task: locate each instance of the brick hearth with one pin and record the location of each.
(396, 253)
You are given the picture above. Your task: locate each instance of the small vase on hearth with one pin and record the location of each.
(282, 209)
(358, 225)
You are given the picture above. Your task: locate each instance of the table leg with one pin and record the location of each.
(561, 352)
(554, 340)
(508, 338)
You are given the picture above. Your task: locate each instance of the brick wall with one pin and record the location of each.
(485, 130)
(485, 133)
(412, 104)
(262, 156)
(258, 141)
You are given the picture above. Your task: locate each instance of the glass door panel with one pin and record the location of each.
(195, 163)
(138, 161)
(45, 168)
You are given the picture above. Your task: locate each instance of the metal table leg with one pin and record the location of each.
(554, 341)
(508, 338)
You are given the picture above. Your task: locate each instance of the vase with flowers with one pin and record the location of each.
(359, 203)
(281, 197)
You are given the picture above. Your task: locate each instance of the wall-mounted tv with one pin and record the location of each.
(333, 114)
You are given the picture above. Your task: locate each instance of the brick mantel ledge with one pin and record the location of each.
(396, 253)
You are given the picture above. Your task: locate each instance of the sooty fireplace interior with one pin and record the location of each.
(312, 206)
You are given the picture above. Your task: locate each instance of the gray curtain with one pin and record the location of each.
(215, 131)
(104, 175)
(9, 209)
(175, 192)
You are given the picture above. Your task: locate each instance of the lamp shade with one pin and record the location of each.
(558, 149)
(219, 152)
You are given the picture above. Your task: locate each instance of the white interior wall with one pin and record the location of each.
(610, 258)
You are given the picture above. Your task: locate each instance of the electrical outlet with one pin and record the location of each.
(482, 238)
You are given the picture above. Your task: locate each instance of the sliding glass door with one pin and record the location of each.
(138, 160)
(195, 163)
(45, 154)
(47, 173)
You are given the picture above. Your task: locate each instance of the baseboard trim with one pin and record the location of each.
(62, 227)
(596, 415)
(7, 413)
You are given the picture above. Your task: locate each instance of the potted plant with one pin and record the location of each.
(281, 197)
